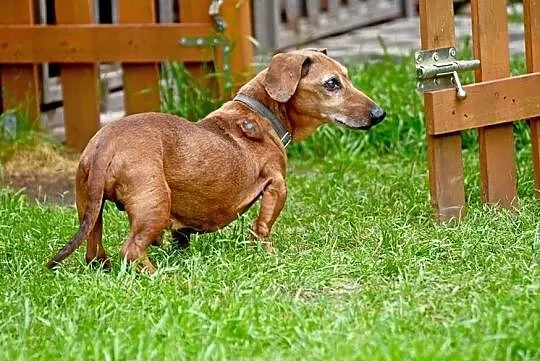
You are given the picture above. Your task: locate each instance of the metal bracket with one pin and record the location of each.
(438, 69)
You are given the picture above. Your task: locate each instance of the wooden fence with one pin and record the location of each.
(492, 104)
(137, 42)
(285, 23)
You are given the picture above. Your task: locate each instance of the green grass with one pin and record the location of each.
(362, 271)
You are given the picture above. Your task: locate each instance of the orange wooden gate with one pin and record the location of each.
(491, 105)
(138, 42)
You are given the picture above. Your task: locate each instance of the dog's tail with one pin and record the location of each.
(96, 185)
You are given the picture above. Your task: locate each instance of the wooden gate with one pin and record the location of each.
(491, 105)
(137, 42)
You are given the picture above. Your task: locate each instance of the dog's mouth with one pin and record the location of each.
(348, 126)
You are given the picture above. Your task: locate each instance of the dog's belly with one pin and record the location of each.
(208, 213)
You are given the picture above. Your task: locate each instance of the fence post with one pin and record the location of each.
(237, 15)
(141, 81)
(197, 12)
(80, 82)
(532, 46)
(20, 83)
(497, 163)
(444, 151)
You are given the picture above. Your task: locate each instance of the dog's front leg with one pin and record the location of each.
(273, 200)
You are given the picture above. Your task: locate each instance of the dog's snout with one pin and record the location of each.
(377, 115)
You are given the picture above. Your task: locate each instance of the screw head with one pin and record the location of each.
(452, 52)
(199, 41)
(436, 56)
(437, 81)
(419, 58)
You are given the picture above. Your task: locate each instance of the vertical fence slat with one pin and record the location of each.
(313, 8)
(444, 152)
(20, 84)
(333, 6)
(141, 81)
(197, 12)
(497, 163)
(292, 10)
(80, 82)
(266, 20)
(532, 46)
(237, 15)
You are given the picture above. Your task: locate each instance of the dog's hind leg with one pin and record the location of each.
(148, 208)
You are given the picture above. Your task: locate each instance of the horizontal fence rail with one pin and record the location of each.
(88, 50)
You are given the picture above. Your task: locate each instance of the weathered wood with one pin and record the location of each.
(100, 43)
(444, 151)
(532, 47)
(80, 82)
(497, 159)
(508, 98)
(313, 8)
(20, 83)
(266, 19)
(292, 11)
(141, 81)
(333, 6)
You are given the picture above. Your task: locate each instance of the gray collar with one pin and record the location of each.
(263, 111)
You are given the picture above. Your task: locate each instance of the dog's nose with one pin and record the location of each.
(377, 115)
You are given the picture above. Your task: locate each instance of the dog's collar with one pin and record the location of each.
(263, 111)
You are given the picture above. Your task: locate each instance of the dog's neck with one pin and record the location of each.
(299, 125)
(255, 89)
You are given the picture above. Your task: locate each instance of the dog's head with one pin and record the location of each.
(318, 90)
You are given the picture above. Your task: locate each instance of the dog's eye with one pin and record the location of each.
(332, 84)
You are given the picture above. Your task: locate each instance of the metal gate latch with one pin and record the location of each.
(438, 69)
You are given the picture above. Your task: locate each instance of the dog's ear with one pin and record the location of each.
(320, 50)
(284, 73)
(250, 128)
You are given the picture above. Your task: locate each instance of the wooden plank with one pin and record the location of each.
(444, 151)
(333, 6)
(238, 17)
(134, 43)
(532, 46)
(141, 81)
(266, 20)
(497, 159)
(20, 83)
(313, 8)
(80, 82)
(508, 98)
(197, 12)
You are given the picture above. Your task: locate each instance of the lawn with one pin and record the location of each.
(362, 272)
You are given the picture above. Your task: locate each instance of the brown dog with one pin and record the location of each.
(167, 172)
